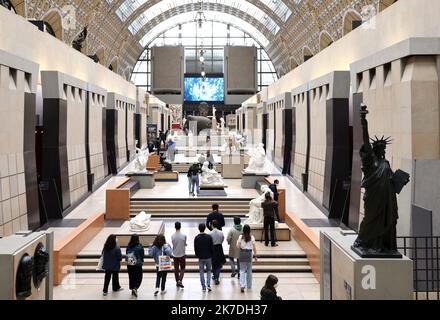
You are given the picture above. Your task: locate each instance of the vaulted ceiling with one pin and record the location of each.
(118, 30)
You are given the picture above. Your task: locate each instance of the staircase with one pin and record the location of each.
(267, 263)
(192, 208)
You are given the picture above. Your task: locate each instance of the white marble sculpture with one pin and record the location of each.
(255, 215)
(140, 164)
(141, 222)
(257, 162)
(210, 176)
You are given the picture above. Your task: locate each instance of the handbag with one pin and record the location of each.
(100, 263)
(245, 255)
(131, 259)
(165, 263)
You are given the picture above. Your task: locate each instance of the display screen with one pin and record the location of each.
(210, 89)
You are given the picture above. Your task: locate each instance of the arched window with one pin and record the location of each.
(53, 23)
(307, 53)
(325, 40)
(352, 20)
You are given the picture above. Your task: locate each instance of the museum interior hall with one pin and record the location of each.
(220, 150)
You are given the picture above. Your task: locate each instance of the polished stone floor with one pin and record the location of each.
(295, 286)
(88, 286)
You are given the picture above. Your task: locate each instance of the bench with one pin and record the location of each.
(66, 250)
(308, 240)
(117, 201)
(132, 186)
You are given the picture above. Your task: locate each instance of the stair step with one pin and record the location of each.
(195, 262)
(195, 269)
(278, 255)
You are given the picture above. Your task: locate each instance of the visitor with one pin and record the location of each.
(269, 292)
(171, 147)
(160, 248)
(232, 238)
(269, 220)
(273, 187)
(203, 250)
(218, 257)
(215, 215)
(246, 245)
(111, 264)
(193, 179)
(178, 240)
(210, 159)
(135, 259)
(150, 147)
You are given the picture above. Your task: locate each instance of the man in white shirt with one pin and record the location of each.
(179, 254)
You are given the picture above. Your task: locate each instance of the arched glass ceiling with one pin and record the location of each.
(210, 16)
(128, 7)
(165, 5)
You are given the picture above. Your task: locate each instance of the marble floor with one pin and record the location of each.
(179, 190)
(292, 285)
(295, 286)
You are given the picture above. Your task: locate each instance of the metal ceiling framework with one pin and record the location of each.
(122, 27)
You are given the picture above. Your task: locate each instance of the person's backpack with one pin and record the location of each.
(131, 258)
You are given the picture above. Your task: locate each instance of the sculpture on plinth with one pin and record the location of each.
(141, 222)
(377, 232)
(234, 142)
(210, 176)
(255, 215)
(140, 164)
(257, 162)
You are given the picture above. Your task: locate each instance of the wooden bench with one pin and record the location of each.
(66, 250)
(281, 197)
(308, 240)
(153, 162)
(117, 201)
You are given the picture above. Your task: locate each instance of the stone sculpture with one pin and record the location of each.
(203, 123)
(140, 164)
(210, 176)
(377, 232)
(255, 215)
(257, 162)
(141, 222)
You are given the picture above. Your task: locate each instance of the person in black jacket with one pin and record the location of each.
(269, 292)
(203, 248)
(112, 257)
(273, 187)
(215, 215)
(193, 179)
(269, 220)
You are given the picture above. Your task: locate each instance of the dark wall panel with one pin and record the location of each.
(55, 168)
(35, 220)
(112, 140)
(337, 168)
(356, 171)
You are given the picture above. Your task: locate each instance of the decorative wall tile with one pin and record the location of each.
(6, 207)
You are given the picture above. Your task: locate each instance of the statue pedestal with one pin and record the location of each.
(250, 180)
(166, 176)
(232, 166)
(146, 238)
(282, 231)
(146, 179)
(347, 276)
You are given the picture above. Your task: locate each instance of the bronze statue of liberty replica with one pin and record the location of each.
(377, 232)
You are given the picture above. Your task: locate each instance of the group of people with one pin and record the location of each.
(208, 248)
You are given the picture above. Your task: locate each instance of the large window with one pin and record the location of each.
(211, 38)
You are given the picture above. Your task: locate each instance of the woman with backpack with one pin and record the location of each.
(246, 245)
(160, 248)
(111, 264)
(135, 260)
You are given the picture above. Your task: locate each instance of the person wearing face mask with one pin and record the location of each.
(269, 291)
